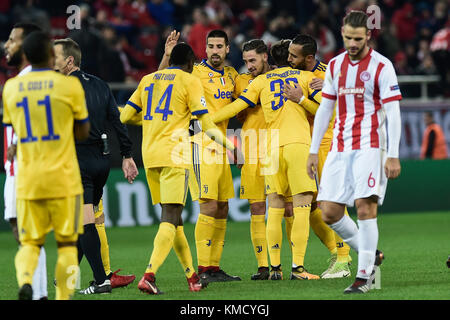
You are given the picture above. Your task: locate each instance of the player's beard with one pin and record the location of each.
(357, 55)
(300, 66)
(15, 60)
(216, 63)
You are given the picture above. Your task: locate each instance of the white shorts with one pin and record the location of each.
(352, 175)
(10, 198)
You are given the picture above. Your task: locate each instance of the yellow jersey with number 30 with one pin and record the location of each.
(289, 118)
(166, 99)
(42, 106)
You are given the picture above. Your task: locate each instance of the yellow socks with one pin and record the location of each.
(26, 262)
(258, 236)
(322, 230)
(66, 272)
(218, 241)
(274, 233)
(289, 221)
(162, 245)
(181, 248)
(300, 234)
(204, 230)
(104, 247)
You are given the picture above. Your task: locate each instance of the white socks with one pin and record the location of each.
(368, 241)
(40, 277)
(347, 229)
(363, 240)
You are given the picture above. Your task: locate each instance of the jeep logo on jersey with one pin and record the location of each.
(222, 94)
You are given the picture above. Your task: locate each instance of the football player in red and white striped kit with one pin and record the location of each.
(361, 159)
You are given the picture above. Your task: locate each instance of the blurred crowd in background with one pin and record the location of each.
(122, 40)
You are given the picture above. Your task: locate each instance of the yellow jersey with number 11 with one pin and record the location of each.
(42, 106)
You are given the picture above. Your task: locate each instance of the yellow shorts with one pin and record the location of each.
(36, 218)
(168, 184)
(322, 155)
(286, 174)
(212, 176)
(252, 181)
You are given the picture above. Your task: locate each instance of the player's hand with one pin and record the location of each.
(311, 165)
(11, 152)
(241, 116)
(392, 168)
(238, 158)
(171, 41)
(316, 84)
(130, 170)
(294, 93)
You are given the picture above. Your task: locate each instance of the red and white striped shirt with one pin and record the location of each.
(360, 88)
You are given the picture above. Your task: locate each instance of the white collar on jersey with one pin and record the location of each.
(25, 70)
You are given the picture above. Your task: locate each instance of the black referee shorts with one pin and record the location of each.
(94, 169)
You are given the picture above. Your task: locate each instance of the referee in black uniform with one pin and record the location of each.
(93, 154)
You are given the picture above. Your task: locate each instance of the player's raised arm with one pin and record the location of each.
(171, 41)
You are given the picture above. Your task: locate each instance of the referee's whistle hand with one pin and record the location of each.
(311, 165)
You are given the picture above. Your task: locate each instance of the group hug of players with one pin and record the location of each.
(280, 101)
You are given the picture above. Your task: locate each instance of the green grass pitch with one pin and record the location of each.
(416, 246)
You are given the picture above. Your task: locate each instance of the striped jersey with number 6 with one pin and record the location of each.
(360, 88)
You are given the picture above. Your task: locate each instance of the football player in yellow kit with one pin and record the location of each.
(47, 110)
(166, 99)
(288, 140)
(255, 56)
(302, 53)
(213, 184)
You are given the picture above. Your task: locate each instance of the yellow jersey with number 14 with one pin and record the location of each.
(166, 99)
(42, 106)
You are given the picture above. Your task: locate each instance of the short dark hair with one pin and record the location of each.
(280, 52)
(70, 48)
(309, 45)
(37, 47)
(217, 33)
(27, 28)
(356, 19)
(182, 54)
(255, 44)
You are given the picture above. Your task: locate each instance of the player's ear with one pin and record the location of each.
(369, 34)
(265, 57)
